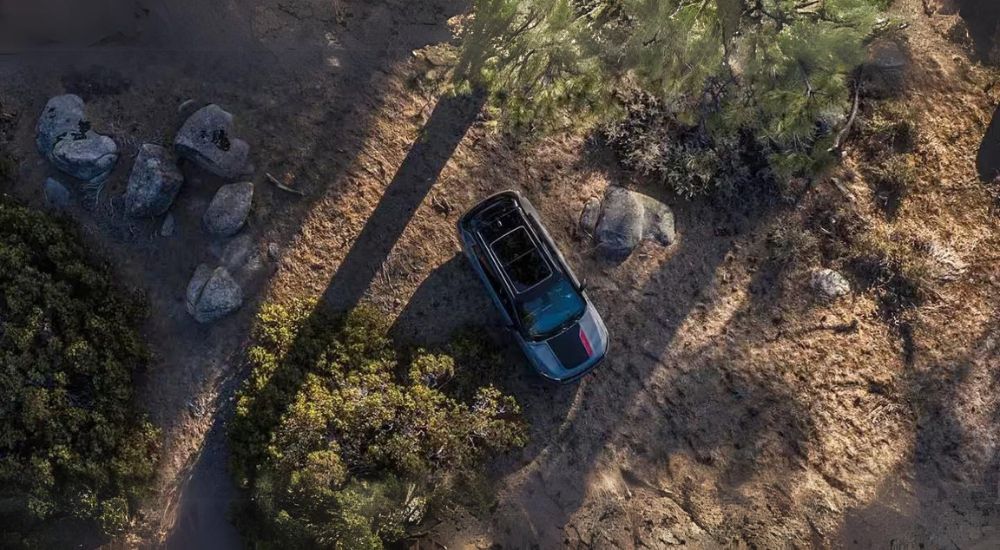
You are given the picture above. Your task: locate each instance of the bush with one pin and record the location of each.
(341, 444)
(72, 444)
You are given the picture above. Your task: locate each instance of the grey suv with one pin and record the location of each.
(540, 299)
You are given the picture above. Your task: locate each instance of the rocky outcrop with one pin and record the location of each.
(154, 183)
(212, 294)
(625, 219)
(64, 137)
(206, 139)
(829, 284)
(228, 210)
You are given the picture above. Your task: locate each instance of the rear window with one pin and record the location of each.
(521, 259)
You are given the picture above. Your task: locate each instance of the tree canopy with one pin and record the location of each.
(770, 75)
(343, 442)
(73, 446)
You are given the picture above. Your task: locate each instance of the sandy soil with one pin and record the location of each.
(734, 409)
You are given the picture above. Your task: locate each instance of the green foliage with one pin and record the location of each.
(342, 444)
(714, 71)
(72, 444)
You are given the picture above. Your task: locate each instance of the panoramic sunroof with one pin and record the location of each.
(521, 259)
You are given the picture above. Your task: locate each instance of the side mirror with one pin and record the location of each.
(584, 285)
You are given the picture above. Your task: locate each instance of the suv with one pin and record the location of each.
(540, 299)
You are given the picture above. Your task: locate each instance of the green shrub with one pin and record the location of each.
(341, 444)
(73, 446)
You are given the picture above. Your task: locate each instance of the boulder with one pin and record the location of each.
(154, 183)
(206, 139)
(56, 194)
(62, 115)
(627, 218)
(91, 157)
(884, 72)
(212, 294)
(829, 284)
(64, 137)
(228, 210)
(590, 215)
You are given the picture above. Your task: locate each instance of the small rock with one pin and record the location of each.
(212, 294)
(273, 252)
(206, 139)
(627, 218)
(228, 210)
(591, 213)
(56, 194)
(154, 183)
(884, 72)
(169, 226)
(62, 115)
(830, 284)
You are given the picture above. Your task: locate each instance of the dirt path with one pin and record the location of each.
(734, 408)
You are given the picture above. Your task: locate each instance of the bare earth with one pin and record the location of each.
(734, 408)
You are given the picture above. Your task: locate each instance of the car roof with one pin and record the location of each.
(512, 243)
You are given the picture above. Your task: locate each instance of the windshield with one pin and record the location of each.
(551, 310)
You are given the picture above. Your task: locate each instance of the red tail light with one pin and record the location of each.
(586, 343)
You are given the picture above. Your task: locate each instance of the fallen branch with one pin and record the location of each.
(839, 140)
(282, 186)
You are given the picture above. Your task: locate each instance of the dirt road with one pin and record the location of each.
(735, 408)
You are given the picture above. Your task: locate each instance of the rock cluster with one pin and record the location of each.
(64, 137)
(624, 219)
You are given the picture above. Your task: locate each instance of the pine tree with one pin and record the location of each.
(715, 71)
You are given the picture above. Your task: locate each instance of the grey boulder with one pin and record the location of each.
(56, 194)
(90, 157)
(63, 115)
(212, 294)
(64, 137)
(154, 183)
(627, 218)
(829, 284)
(206, 139)
(228, 210)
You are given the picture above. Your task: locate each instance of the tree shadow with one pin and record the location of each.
(442, 133)
(988, 158)
(983, 20)
(947, 495)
